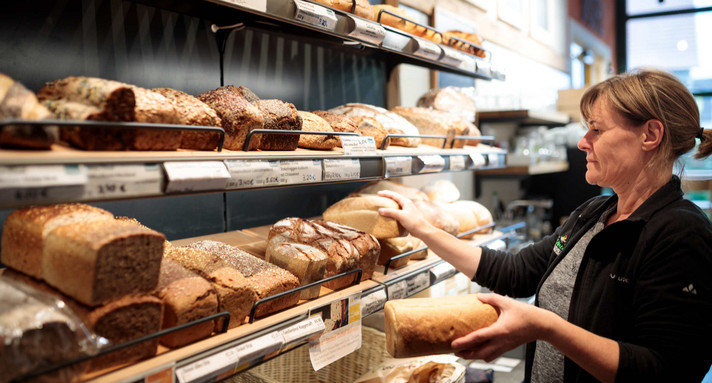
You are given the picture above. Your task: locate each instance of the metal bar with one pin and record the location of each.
(382, 11)
(385, 139)
(246, 147)
(670, 13)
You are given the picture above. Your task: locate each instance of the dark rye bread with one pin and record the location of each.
(238, 115)
(25, 229)
(234, 292)
(192, 111)
(278, 115)
(265, 278)
(16, 101)
(119, 321)
(95, 262)
(187, 297)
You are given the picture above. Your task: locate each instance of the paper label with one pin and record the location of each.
(300, 172)
(441, 272)
(252, 173)
(341, 169)
(335, 345)
(304, 330)
(493, 160)
(259, 347)
(373, 302)
(368, 31)
(452, 57)
(257, 5)
(477, 161)
(457, 163)
(42, 176)
(430, 163)
(418, 282)
(398, 166)
(314, 14)
(358, 145)
(208, 367)
(427, 49)
(188, 176)
(398, 290)
(483, 67)
(123, 180)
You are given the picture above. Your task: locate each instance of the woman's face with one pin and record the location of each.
(614, 156)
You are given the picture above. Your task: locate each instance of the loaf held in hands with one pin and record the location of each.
(361, 212)
(426, 326)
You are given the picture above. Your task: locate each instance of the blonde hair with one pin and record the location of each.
(644, 94)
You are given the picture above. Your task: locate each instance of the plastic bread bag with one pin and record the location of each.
(38, 331)
(436, 368)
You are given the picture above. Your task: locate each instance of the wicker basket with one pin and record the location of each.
(295, 366)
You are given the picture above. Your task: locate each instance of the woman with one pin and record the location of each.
(624, 287)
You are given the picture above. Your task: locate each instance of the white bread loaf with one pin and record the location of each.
(426, 326)
(441, 191)
(451, 100)
(361, 212)
(482, 215)
(393, 123)
(438, 216)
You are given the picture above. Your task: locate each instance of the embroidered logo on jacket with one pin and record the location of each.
(690, 289)
(560, 243)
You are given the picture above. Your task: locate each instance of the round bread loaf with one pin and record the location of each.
(313, 123)
(442, 191)
(361, 212)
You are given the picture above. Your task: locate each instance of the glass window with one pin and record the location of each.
(636, 7)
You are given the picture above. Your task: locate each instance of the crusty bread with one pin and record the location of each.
(361, 213)
(316, 249)
(25, 230)
(439, 217)
(467, 36)
(430, 122)
(480, 215)
(234, 292)
(392, 122)
(426, 326)
(98, 261)
(16, 101)
(237, 114)
(450, 100)
(187, 297)
(391, 247)
(265, 278)
(192, 111)
(314, 123)
(278, 115)
(441, 191)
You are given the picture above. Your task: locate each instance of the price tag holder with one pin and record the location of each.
(373, 302)
(342, 334)
(256, 349)
(483, 67)
(190, 176)
(476, 161)
(300, 172)
(22, 185)
(398, 166)
(365, 30)
(418, 282)
(358, 145)
(306, 330)
(252, 173)
(431, 163)
(426, 49)
(452, 57)
(441, 272)
(493, 159)
(341, 169)
(110, 181)
(257, 5)
(469, 64)
(398, 290)
(315, 15)
(458, 163)
(209, 367)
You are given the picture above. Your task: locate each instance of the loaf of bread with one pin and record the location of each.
(237, 114)
(265, 278)
(393, 123)
(426, 326)
(404, 22)
(369, 126)
(470, 215)
(192, 111)
(406, 191)
(16, 101)
(25, 230)
(278, 115)
(451, 100)
(187, 297)
(462, 128)
(361, 213)
(441, 191)
(429, 122)
(358, 7)
(314, 123)
(235, 294)
(438, 216)
(98, 261)
(316, 249)
(468, 37)
(116, 101)
(391, 247)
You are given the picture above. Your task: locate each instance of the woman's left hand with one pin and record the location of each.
(518, 323)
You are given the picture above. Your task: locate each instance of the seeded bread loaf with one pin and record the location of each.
(278, 115)
(234, 292)
(361, 212)
(95, 262)
(237, 114)
(312, 122)
(316, 249)
(393, 123)
(16, 101)
(265, 278)
(25, 230)
(192, 111)
(427, 326)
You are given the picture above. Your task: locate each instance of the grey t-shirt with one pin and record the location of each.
(555, 296)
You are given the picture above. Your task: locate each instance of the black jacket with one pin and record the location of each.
(645, 282)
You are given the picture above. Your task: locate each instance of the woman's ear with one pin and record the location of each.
(653, 132)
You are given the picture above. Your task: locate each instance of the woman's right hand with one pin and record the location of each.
(408, 215)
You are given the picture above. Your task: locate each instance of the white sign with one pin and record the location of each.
(426, 49)
(398, 166)
(303, 330)
(314, 14)
(252, 173)
(123, 180)
(418, 282)
(300, 172)
(189, 176)
(430, 163)
(259, 347)
(452, 57)
(22, 185)
(358, 145)
(457, 163)
(210, 366)
(365, 30)
(478, 160)
(373, 302)
(335, 345)
(398, 290)
(341, 169)
(257, 5)
(441, 272)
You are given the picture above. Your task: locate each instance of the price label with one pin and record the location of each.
(257, 5)
(358, 145)
(418, 282)
(398, 166)
(494, 160)
(303, 331)
(123, 180)
(452, 57)
(314, 14)
(365, 30)
(483, 67)
(441, 272)
(477, 161)
(429, 163)
(398, 290)
(259, 347)
(300, 172)
(457, 163)
(22, 185)
(252, 174)
(341, 169)
(335, 345)
(208, 367)
(426, 49)
(188, 176)
(373, 302)
(468, 64)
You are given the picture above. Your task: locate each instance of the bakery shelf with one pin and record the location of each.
(545, 167)
(524, 117)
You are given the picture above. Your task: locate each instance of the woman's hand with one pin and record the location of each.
(408, 215)
(518, 323)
